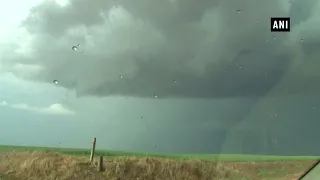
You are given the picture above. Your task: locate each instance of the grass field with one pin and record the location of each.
(17, 160)
(207, 157)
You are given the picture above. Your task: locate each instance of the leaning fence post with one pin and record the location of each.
(93, 149)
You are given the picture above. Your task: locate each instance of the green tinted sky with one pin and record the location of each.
(186, 76)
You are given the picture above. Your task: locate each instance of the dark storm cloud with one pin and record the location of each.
(178, 48)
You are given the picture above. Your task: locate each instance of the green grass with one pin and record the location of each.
(274, 173)
(110, 153)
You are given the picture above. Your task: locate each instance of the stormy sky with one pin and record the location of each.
(189, 76)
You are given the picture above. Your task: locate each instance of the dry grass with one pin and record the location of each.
(55, 166)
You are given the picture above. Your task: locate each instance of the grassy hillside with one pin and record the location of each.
(47, 163)
(52, 166)
(110, 153)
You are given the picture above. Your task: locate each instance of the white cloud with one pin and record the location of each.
(26, 70)
(62, 2)
(3, 103)
(57, 109)
(54, 109)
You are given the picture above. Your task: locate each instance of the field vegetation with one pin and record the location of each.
(45, 163)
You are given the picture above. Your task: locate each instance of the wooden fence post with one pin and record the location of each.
(100, 163)
(93, 149)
